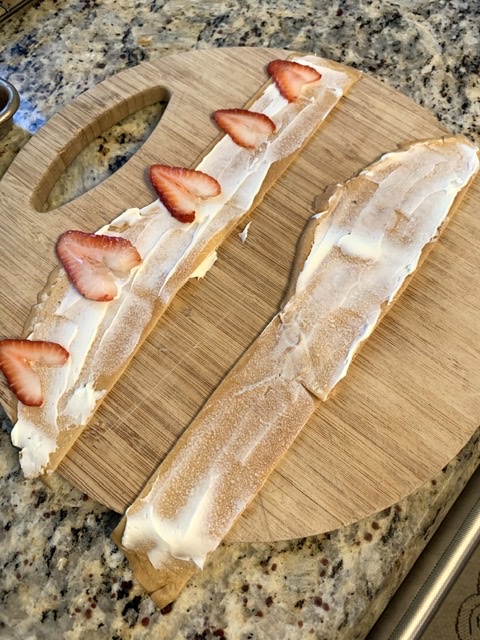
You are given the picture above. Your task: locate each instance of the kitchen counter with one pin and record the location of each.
(61, 576)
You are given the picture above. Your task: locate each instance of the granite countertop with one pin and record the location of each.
(61, 576)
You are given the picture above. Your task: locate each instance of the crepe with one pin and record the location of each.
(357, 256)
(102, 337)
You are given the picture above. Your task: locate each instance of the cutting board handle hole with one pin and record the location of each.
(96, 152)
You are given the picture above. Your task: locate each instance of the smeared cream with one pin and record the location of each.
(182, 538)
(362, 253)
(36, 447)
(203, 268)
(82, 402)
(195, 501)
(108, 333)
(367, 241)
(361, 246)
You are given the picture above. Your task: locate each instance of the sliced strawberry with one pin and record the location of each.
(92, 261)
(16, 357)
(248, 129)
(180, 189)
(290, 77)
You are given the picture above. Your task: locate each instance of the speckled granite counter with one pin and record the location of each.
(61, 576)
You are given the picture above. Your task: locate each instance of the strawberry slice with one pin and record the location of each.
(92, 261)
(16, 357)
(290, 77)
(248, 129)
(180, 189)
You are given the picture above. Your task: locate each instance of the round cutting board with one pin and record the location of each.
(410, 400)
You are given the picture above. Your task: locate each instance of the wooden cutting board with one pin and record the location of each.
(411, 399)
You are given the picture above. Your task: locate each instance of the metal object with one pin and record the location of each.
(439, 582)
(9, 103)
(417, 600)
(9, 7)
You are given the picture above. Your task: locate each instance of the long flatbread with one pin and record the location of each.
(357, 257)
(102, 337)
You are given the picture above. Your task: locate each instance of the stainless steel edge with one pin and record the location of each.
(439, 582)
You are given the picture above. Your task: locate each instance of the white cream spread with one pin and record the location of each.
(203, 268)
(362, 254)
(195, 500)
(180, 537)
(103, 335)
(82, 402)
(361, 245)
(365, 244)
(36, 446)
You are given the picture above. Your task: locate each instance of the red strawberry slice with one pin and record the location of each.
(180, 189)
(92, 261)
(290, 77)
(16, 357)
(248, 129)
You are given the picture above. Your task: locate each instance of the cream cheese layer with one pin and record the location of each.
(101, 336)
(226, 455)
(365, 244)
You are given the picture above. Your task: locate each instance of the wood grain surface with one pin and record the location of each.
(411, 399)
